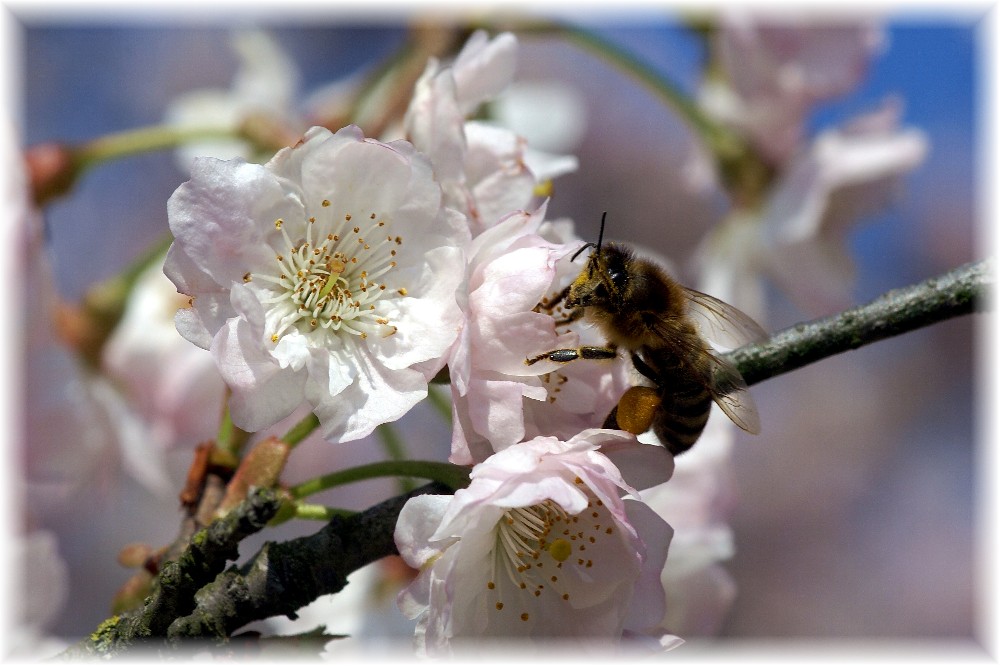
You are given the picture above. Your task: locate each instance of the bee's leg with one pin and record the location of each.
(644, 369)
(587, 352)
(571, 317)
(549, 306)
(612, 420)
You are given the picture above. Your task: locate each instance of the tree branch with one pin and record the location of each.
(283, 577)
(957, 292)
(179, 580)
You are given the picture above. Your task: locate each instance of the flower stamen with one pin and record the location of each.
(522, 541)
(327, 285)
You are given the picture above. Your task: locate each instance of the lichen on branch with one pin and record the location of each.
(179, 580)
(283, 577)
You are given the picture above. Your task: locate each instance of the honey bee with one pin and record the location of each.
(665, 327)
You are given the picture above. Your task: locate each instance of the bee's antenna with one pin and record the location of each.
(600, 237)
(582, 248)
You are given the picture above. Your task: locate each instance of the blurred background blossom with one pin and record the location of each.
(853, 511)
(265, 84)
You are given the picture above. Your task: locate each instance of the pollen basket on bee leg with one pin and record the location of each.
(636, 409)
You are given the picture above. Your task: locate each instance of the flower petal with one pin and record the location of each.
(263, 393)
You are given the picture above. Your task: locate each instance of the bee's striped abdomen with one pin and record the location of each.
(682, 416)
(687, 402)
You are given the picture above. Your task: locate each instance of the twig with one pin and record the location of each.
(957, 292)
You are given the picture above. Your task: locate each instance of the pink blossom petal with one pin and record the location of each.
(495, 409)
(473, 587)
(417, 522)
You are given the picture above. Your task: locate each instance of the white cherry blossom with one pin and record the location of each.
(541, 545)
(497, 399)
(265, 84)
(510, 268)
(578, 395)
(326, 276)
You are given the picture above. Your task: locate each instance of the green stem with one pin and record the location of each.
(724, 143)
(230, 438)
(224, 439)
(144, 140)
(440, 401)
(451, 475)
(301, 430)
(393, 445)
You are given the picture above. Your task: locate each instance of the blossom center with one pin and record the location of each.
(332, 278)
(535, 544)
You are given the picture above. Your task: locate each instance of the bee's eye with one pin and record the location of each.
(617, 278)
(617, 274)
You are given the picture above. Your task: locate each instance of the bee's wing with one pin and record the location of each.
(721, 378)
(721, 323)
(731, 394)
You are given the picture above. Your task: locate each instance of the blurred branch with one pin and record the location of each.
(143, 140)
(54, 168)
(722, 142)
(958, 292)
(728, 146)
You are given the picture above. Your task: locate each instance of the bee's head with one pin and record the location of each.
(603, 281)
